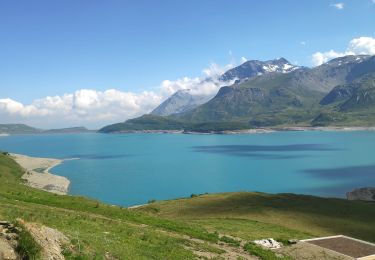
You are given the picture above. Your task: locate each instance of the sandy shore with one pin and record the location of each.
(38, 176)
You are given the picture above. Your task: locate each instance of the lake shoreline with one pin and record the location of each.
(38, 173)
(252, 130)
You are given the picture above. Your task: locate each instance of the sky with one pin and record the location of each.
(91, 62)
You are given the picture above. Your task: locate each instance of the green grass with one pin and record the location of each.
(231, 241)
(27, 247)
(96, 228)
(162, 230)
(282, 216)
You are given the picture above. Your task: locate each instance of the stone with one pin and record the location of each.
(292, 241)
(365, 194)
(7, 252)
(268, 243)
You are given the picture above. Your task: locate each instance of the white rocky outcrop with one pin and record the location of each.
(366, 194)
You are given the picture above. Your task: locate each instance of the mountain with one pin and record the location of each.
(69, 130)
(180, 102)
(183, 100)
(280, 98)
(254, 68)
(302, 96)
(25, 129)
(18, 129)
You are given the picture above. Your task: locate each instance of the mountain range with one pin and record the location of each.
(273, 93)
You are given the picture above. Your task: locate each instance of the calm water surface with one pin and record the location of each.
(131, 169)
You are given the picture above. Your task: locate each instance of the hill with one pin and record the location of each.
(69, 130)
(205, 225)
(13, 129)
(18, 129)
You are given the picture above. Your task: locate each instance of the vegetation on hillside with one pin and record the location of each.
(163, 230)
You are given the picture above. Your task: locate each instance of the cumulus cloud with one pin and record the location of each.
(338, 6)
(357, 46)
(94, 108)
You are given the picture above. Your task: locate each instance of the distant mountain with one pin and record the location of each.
(70, 130)
(18, 129)
(339, 92)
(254, 68)
(145, 122)
(180, 102)
(25, 129)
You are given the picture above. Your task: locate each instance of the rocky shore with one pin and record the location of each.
(37, 174)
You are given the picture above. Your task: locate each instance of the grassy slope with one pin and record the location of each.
(94, 228)
(157, 230)
(283, 216)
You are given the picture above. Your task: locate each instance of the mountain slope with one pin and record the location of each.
(179, 102)
(349, 104)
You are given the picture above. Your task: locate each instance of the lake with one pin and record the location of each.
(130, 169)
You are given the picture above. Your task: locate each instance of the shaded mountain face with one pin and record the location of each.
(356, 95)
(254, 68)
(179, 102)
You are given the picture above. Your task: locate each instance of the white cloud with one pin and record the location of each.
(243, 59)
(94, 108)
(362, 45)
(338, 6)
(303, 43)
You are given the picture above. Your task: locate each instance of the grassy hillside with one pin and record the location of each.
(164, 230)
(254, 215)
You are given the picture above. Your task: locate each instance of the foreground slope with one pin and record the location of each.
(179, 229)
(253, 215)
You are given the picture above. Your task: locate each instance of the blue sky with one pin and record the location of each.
(50, 48)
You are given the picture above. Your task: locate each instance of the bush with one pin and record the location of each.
(263, 253)
(230, 241)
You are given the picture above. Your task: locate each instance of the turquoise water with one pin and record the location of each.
(131, 169)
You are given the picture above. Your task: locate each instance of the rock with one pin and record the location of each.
(51, 240)
(7, 252)
(365, 194)
(292, 241)
(268, 243)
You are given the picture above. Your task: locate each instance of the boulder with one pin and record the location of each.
(268, 243)
(365, 194)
